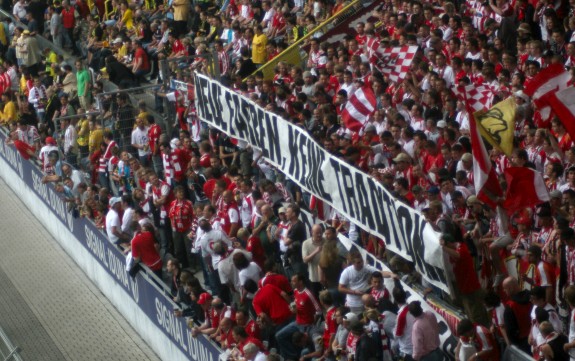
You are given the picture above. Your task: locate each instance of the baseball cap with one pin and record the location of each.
(117, 41)
(114, 200)
(433, 190)
(282, 210)
(204, 297)
(351, 317)
(50, 140)
(441, 124)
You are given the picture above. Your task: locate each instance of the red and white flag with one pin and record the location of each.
(393, 62)
(525, 188)
(543, 86)
(477, 97)
(484, 176)
(563, 104)
(358, 108)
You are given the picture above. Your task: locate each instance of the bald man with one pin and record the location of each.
(516, 316)
(311, 253)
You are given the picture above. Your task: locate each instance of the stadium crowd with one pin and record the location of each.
(199, 202)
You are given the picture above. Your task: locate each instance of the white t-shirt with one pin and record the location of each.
(357, 281)
(112, 220)
(127, 219)
(207, 245)
(140, 137)
(252, 272)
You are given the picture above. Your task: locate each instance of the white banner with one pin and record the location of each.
(356, 195)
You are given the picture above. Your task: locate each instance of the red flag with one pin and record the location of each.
(543, 86)
(525, 188)
(563, 104)
(477, 97)
(358, 108)
(393, 62)
(484, 176)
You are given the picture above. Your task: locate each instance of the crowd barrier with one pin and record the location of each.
(146, 306)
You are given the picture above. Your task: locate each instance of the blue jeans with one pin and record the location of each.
(284, 340)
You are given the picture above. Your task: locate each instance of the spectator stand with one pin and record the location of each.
(295, 55)
(144, 293)
(8, 352)
(135, 102)
(42, 41)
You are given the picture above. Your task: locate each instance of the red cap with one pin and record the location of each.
(204, 297)
(50, 140)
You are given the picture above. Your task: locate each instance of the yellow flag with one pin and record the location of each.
(497, 125)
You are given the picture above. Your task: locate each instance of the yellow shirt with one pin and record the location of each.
(3, 38)
(122, 52)
(23, 87)
(181, 8)
(96, 138)
(259, 53)
(127, 19)
(9, 114)
(83, 132)
(52, 58)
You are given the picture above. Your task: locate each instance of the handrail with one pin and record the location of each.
(300, 42)
(13, 351)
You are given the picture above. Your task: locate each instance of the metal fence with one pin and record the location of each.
(120, 108)
(295, 55)
(7, 350)
(512, 353)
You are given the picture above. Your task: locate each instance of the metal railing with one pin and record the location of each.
(7, 350)
(295, 55)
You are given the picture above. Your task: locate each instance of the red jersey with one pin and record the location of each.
(307, 307)
(254, 246)
(330, 326)
(143, 247)
(544, 275)
(181, 215)
(464, 272)
(153, 136)
(252, 329)
(280, 281)
(140, 53)
(268, 300)
(229, 215)
(163, 190)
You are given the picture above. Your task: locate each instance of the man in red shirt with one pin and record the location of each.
(162, 197)
(141, 63)
(330, 326)
(270, 304)
(154, 132)
(144, 249)
(307, 309)
(466, 280)
(181, 213)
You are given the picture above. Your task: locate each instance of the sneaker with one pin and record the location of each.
(498, 280)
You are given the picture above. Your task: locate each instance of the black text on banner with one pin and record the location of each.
(351, 192)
